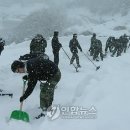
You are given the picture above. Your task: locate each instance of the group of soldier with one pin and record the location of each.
(39, 44)
(114, 45)
(117, 45)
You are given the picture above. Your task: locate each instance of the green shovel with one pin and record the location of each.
(19, 114)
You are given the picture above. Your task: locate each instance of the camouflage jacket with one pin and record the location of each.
(74, 46)
(39, 70)
(56, 45)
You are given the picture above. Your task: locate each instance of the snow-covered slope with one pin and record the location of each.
(107, 90)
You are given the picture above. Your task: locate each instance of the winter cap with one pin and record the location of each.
(56, 33)
(38, 36)
(94, 34)
(17, 64)
(74, 35)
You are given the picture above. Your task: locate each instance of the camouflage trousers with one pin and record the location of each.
(108, 47)
(91, 50)
(96, 53)
(56, 57)
(74, 56)
(118, 50)
(47, 91)
(124, 49)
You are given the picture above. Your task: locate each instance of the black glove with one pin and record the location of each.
(21, 99)
(25, 77)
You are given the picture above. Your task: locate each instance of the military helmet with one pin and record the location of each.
(17, 64)
(74, 35)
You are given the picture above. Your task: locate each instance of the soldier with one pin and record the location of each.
(39, 70)
(37, 48)
(56, 45)
(74, 46)
(124, 41)
(117, 47)
(38, 44)
(2, 44)
(93, 42)
(109, 44)
(97, 50)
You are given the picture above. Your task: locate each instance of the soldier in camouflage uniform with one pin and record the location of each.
(74, 46)
(117, 47)
(97, 50)
(93, 42)
(39, 70)
(56, 45)
(37, 49)
(109, 44)
(38, 44)
(2, 44)
(124, 40)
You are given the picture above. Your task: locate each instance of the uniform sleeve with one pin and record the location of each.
(56, 45)
(31, 85)
(44, 43)
(60, 45)
(78, 45)
(53, 43)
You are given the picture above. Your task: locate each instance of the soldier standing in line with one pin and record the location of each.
(74, 46)
(56, 45)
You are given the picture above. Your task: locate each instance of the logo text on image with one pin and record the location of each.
(72, 112)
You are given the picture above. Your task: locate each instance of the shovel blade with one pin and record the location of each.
(20, 115)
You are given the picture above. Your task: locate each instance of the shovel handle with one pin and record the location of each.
(24, 84)
(21, 105)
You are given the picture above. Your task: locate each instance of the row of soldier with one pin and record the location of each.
(39, 44)
(117, 45)
(114, 45)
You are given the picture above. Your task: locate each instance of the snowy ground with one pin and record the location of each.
(107, 90)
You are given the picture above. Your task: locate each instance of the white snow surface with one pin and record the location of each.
(106, 89)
